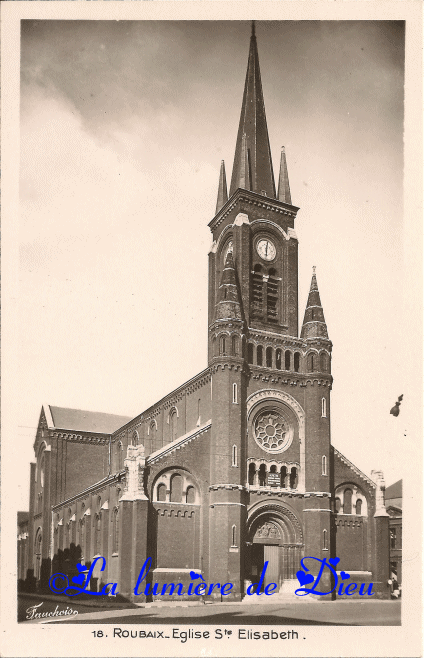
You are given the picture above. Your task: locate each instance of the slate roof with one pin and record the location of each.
(87, 421)
(394, 491)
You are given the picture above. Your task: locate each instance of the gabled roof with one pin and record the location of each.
(394, 491)
(86, 421)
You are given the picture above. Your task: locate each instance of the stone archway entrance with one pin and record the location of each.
(275, 538)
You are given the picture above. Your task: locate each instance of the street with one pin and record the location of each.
(345, 613)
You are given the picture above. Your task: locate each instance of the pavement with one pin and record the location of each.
(334, 613)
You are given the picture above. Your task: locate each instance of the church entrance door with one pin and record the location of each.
(272, 556)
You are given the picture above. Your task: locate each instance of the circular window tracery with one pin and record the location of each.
(272, 433)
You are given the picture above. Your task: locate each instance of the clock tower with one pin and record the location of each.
(270, 387)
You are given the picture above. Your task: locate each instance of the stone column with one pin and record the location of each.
(381, 557)
(133, 526)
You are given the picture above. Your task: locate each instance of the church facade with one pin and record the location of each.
(235, 468)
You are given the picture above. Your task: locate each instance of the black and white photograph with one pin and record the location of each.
(215, 403)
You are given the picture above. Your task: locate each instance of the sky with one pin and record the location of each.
(123, 127)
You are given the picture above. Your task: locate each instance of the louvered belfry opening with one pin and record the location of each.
(272, 298)
(257, 293)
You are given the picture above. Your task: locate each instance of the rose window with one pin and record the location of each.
(271, 432)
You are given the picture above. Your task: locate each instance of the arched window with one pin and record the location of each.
(257, 292)
(42, 463)
(358, 506)
(259, 355)
(296, 361)
(38, 549)
(222, 345)
(250, 353)
(324, 465)
(262, 475)
(324, 540)
(268, 356)
(234, 536)
(234, 456)
(98, 535)
(337, 505)
(40, 502)
(115, 530)
(324, 408)
(191, 495)
(278, 359)
(272, 297)
(161, 493)
(235, 345)
(310, 363)
(283, 473)
(176, 487)
(234, 393)
(152, 427)
(287, 360)
(252, 471)
(347, 501)
(69, 534)
(82, 536)
(173, 424)
(323, 362)
(135, 438)
(120, 460)
(293, 478)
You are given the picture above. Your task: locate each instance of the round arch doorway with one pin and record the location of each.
(274, 536)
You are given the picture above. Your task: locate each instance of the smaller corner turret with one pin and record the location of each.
(314, 325)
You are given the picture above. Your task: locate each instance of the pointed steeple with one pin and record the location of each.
(314, 325)
(222, 188)
(256, 142)
(283, 181)
(228, 304)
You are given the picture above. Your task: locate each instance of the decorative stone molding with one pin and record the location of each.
(237, 365)
(215, 487)
(380, 508)
(80, 438)
(282, 396)
(280, 510)
(241, 219)
(354, 468)
(275, 226)
(134, 466)
(177, 444)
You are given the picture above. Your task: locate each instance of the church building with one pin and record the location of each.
(235, 468)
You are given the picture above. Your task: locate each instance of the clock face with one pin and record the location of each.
(266, 249)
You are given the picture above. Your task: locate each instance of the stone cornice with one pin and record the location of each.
(177, 444)
(221, 363)
(93, 438)
(289, 378)
(94, 488)
(354, 468)
(246, 196)
(276, 339)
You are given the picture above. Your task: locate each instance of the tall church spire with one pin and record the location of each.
(283, 181)
(314, 325)
(222, 188)
(254, 148)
